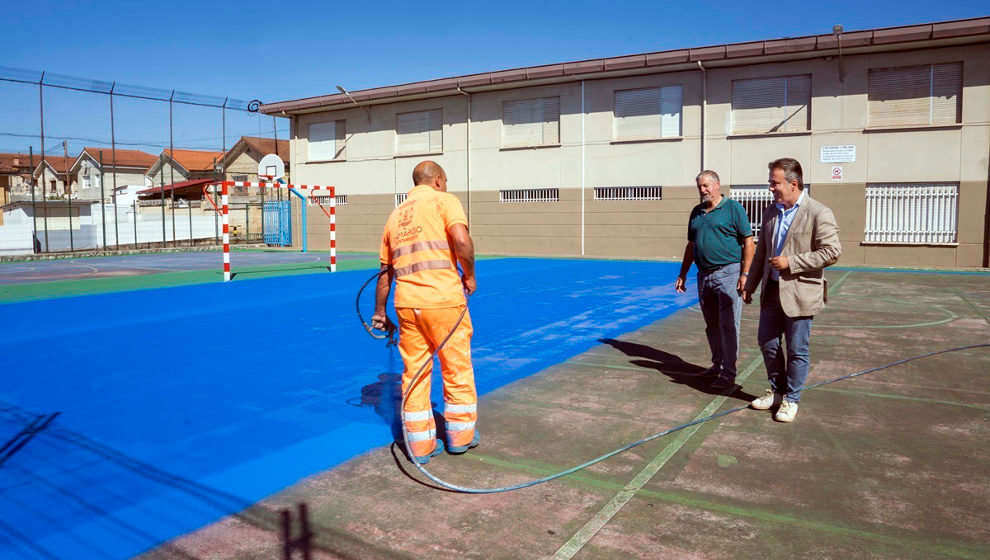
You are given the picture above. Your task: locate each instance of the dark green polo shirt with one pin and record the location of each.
(718, 235)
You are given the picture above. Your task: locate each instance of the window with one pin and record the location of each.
(531, 122)
(755, 199)
(778, 104)
(647, 113)
(419, 133)
(915, 95)
(400, 197)
(324, 200)
(239, 178)
(326, 140)
(529, 195)
(628, 193)
(85, 182)
(911, 213)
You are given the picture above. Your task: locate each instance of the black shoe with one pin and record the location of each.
(713, 371)
(723, 383)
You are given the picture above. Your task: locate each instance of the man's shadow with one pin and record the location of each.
(671, 365)
(386, 396)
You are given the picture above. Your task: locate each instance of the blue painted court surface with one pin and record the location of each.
(180, 405)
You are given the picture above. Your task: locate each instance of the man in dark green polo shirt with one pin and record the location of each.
(720, 243)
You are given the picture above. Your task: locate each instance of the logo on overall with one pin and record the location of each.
(406, 215)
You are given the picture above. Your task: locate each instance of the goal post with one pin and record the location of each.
(223, 209)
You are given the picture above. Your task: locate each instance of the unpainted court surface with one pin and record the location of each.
(894, 464)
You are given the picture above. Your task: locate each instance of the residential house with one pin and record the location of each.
(183, 165)
(102, 171)
(54, 178)
(15, 175)
(241, 161)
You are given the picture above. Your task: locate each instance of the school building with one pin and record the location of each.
(598, 157)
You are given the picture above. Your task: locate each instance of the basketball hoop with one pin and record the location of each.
(271, 166)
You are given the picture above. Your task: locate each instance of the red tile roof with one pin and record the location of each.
(18, 160)
(194, 160)
(266, 146)
(60, 164)
(124, 158)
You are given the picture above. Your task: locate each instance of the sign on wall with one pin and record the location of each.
(836, 172)
(838, 154)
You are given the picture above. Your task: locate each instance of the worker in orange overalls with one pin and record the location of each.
(424, 239)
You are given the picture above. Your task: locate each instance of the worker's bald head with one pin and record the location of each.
(427, 173)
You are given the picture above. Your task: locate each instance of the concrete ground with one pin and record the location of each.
(892, 464)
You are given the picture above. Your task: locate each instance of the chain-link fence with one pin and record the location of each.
(89, 164)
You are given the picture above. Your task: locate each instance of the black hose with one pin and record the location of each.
(470, 490)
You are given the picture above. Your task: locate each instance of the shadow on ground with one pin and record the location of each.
(674, 367)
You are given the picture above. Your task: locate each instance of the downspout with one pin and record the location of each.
(467, 150)
(304, 232)
(704, 108)
(582, 167)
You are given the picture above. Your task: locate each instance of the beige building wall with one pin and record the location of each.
(588, 156)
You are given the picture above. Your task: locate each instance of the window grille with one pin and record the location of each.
(529, 195)
(778, 104)
(929, 94)
(629, 193)
(324, 199)
(912, 214)
(400, 197)
(647, 113)
(531, 122)
(755, 201)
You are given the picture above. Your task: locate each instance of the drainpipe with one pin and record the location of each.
(467, 142)
(704, 107)
(304, 232)
(582, 167)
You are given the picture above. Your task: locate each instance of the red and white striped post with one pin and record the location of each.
(332, 215)
(226, 231)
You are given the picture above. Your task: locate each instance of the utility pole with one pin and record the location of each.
(68, 190)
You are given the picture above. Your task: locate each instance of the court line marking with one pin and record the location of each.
(965, 299)
(595, 524)
(958, 549)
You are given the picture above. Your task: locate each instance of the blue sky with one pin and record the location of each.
(275, 51)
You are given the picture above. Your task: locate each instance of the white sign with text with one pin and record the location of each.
(838, 154)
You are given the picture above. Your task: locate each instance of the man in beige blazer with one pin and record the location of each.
(798, 239)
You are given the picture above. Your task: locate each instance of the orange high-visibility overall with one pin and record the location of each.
(429, 297)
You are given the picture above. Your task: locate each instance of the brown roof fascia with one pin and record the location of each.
(787, 45)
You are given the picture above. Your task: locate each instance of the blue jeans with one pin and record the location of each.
(721, 306)
(785, 378)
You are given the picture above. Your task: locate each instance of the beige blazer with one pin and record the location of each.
(812, 243)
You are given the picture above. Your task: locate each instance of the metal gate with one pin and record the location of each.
(278, 222)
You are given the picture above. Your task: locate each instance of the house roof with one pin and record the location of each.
(7, 169)
(190, 160)
(183, 186)
(266, 146)
(263, 146)
(60, 164)
(22, 161)
(124, 158)
(945, 32)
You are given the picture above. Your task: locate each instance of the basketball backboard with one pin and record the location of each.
(271, 166)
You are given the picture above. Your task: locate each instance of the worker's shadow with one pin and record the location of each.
(671, 365)
(386, 396)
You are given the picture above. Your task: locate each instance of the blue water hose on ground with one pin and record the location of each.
(572, 470)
